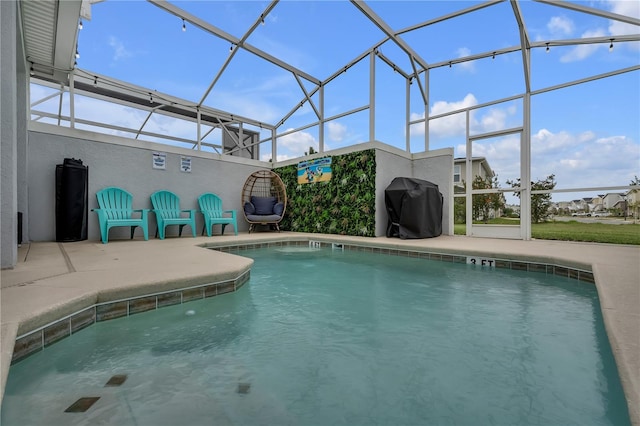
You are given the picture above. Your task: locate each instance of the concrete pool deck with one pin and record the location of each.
(52, 280)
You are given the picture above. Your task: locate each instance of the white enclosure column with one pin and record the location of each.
(72, 97)
(274, 151)
(525, 169)
(199, 128)
(372, 96)
(321, 126)
(469, 180)
(407, 116)
(426, 111)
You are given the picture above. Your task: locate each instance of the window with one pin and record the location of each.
(456, 173)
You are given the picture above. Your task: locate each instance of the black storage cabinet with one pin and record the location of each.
(72, 200)
(414, 208)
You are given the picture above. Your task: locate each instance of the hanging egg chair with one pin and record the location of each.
(264, 199)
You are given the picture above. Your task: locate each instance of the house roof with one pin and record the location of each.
(480, 160)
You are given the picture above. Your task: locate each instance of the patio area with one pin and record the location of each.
(53, 280)
(383, 93)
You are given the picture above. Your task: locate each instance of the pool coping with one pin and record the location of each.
(43, 336)
(36, 340)
(581, 273)
(596, 263)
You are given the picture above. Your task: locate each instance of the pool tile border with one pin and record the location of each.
(36, 340)
(519, 265)
(42, 337)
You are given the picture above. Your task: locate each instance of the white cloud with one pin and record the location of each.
(254, 106)
(503, 154)
(281, 157)
(441, 107)
(337, 131)
(298, 58)
(546, 141)
(131, 118)
(573, 164)
(463, 52)
(257, 98)
(119, 51)
(495, 119)
(583, 51)
(451, 125)
(627, 8)
(578, 160)
(108, 113)
(583, 159)
(560, 25)
(296, 144)
(113, 114)
(615, 28)
(481, 121)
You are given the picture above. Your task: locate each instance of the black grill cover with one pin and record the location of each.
(414, 207)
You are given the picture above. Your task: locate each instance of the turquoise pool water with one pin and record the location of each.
(340, 338)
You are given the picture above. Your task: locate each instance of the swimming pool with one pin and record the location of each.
(332, 337)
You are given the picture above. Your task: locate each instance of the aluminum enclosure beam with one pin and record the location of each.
(194, 20)
(386, 29)
(597, 12)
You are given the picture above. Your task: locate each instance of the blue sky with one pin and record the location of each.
(587, 135)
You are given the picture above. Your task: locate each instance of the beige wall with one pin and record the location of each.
(113, 162)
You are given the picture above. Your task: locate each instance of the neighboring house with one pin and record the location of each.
(479, 167)
(514, 207)
(633, 203)
(621, 207)
(597, 203)
(612, 201)
(579, 206)
(564, 207)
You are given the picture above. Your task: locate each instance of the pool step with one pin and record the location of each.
(82, 404)
(116, 380)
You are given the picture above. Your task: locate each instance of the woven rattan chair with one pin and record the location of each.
(264, 199)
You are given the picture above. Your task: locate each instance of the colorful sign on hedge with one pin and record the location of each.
(318, 170)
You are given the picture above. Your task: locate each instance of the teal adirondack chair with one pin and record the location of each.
(166, 206)
(115, 209)
(211, 209)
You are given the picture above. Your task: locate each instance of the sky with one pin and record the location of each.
(587, 135)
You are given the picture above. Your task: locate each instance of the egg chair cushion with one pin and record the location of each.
(264, 218)
(249, 209)
(278, 209)
(263, 205)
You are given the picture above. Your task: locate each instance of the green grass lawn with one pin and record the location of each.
(575, 231)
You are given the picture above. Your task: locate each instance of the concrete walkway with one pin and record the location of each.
(52, 279)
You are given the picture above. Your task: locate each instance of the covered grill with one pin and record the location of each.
(414, 208)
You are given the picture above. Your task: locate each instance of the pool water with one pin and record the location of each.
(340, 338)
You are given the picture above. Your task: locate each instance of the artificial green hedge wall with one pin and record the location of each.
(345, 205)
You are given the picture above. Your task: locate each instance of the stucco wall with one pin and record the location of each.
(437, 167)
(8, 134)
(112, 164)
(22, 117)
(389, 165)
